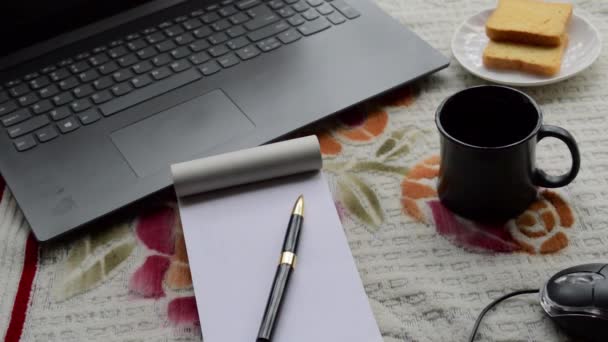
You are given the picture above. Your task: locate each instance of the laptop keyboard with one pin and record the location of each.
(79, 91)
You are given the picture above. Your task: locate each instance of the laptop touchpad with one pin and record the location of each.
(181, 133)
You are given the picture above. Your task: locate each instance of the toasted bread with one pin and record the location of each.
(529, 22)
(540, 60)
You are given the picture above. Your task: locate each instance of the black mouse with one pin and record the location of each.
(577, 300)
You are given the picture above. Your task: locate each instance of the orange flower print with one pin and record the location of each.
(541, 229)
(353, 126)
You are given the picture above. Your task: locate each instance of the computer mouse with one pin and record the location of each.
(577, 300)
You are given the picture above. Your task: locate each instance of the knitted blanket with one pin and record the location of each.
(427, 272)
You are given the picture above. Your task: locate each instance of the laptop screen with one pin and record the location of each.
(26, 22)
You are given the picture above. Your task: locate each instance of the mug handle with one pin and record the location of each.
(541, 178)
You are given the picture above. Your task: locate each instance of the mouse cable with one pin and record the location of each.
(494, 303)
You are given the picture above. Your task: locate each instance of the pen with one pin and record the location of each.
(281, 278)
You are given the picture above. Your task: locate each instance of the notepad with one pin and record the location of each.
(234, 236)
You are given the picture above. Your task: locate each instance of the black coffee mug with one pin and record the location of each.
(488, 143)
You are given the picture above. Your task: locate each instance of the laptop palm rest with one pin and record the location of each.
(180, 133)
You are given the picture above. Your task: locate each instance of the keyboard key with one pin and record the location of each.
(180, 52)
(199, 45)
(203, 32)
(296, 20)
(80, 105)
(192, 24)
(103, 83)
(132, 36)
(121, 89)
(59, 75)
(210, 17)
(199, 58)
(218, 50)
(28, 99)
(161, 73)
(149, 30)
(286, 12)
(184, 39)
(101, 97)
(88, 117)
(311, 14)
(289, 36)
(290, 2)
(221, 25)
(179, 66)
(28, 126)
(226, 2)
(212, 8)
(3, 96)
(141, 81)
(268, 31)
(25, 143)
(174, 30)
(180, 19)
(30, 76)
(108, 68)
(164, 25)
(40, 82)
(83, 91)
(161, 59)
(99, 59)
(236, 31)
(245, 4)
(46, 134)
(218, 38)
(116, 43)
(122, 75)
(269, 44)
(16, 117)
(99, 49)
(79, 67)
(248, 52)
(48, 69)
(88, 76)
(142, 67)
(166, 46)
(155, 38)
(210, 68)
(239, 18)
(62, 98)
(197, 13)
(325, 9)
(12, 83)
(128, 60)
(60, 113)
(65, 62)
(42, 107)
(314, 26)
(152, 90)
(300, 6)
(68, 83)
(68, 125)
(229, 60)
(346, 9)
(48, 91)
(8, 107)
(315, 3)
(227, 11)
(19, 90)
(146, 53)
(336, 18)
(262, 21)
(82, 56)
(238, 43)
(136, 45)
(275, 4)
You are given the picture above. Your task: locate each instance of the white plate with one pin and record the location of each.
(470, 40)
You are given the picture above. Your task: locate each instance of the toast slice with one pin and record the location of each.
(529, 22)
(539, 60)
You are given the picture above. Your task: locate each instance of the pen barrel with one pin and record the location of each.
(293, 233)
(273, 306)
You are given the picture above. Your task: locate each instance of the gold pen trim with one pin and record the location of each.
(288, 258)
(298, 208)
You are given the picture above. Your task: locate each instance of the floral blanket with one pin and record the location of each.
(427, 272)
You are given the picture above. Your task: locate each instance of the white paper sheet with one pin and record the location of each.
(234, 238)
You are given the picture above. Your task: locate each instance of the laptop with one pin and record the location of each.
(99, 97)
